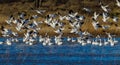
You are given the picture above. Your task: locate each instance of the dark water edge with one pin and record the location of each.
(66, 54)
(49, 62)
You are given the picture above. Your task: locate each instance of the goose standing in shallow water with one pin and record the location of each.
(100, 42)
(41, 39)
(106, 42)
(1, 42)
(58, 40)
(46, 41)
(8, 42)
(73, 40)
(89, 41)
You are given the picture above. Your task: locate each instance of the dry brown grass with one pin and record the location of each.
(13, 8)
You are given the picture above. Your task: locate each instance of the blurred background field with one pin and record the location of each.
(8, 7)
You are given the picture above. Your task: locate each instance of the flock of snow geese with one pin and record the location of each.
(31, 36)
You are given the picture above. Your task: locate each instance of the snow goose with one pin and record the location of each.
(105, 17)
(95, 16)
(104, 8)
(118, 3)
(8, 42)
(40, 11)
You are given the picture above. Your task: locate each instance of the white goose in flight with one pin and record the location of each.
(62, 17)
(74, 30)
(80, 18)
(95, 25)
(105, 26)
(19, 26)
(104, 7)
(95, 16)
(87, 9)
(59, 30)
(118, 3)
(68, 39)
(5, 32)
(73, 14)
(105, 17)
(40, 11)
(10, 20)
(115, 19)
(22, 15)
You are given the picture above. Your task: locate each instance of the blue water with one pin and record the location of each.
(73, 54)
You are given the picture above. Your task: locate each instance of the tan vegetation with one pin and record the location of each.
(54, 6)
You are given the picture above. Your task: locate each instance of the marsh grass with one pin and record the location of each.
(14, 8)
